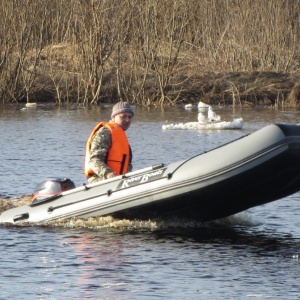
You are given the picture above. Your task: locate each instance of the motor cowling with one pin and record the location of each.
(51, 187)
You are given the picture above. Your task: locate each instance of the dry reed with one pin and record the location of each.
(150, 52)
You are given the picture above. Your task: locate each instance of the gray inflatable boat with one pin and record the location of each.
(251, 171)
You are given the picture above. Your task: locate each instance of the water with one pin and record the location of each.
(253, 255)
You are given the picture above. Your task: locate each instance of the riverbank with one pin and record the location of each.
(160, 86)
(272, 89)
(159, 53)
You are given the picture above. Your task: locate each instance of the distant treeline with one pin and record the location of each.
(144, 51)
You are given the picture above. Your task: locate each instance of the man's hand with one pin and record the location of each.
(111, 175)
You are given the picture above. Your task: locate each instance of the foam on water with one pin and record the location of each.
(234, 124)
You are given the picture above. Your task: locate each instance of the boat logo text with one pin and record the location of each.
(132, 181)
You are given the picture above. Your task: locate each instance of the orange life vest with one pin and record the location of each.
(118, 157)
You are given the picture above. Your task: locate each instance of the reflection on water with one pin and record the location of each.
(114, 263)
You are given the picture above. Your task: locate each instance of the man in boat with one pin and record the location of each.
(108, 152)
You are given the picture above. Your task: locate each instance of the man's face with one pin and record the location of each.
(123, 119)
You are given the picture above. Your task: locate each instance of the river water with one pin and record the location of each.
(252, 255)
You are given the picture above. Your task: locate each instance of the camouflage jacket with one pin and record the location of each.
(100, 146)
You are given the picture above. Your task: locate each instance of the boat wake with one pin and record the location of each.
(8, 203)
(108, 222)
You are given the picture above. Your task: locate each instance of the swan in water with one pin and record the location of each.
(202, 107)
(212, 116)
(28, 104)
(188, 106)
(202, 117)
(207, 119)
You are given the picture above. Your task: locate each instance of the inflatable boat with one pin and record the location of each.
(253, 170)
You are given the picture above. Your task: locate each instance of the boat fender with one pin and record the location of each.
(109, 192)
(169, 175)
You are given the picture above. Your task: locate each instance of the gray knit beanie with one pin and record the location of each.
(121, 107)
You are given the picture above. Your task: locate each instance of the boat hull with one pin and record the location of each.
(251, 171)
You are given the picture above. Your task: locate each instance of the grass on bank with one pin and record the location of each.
(235, 52)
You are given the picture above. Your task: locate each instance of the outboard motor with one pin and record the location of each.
(52, 187)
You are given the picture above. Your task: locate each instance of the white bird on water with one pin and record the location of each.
(202, 107)
(188, 106)
(202, 117)
(28, 104)
(212, 116)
